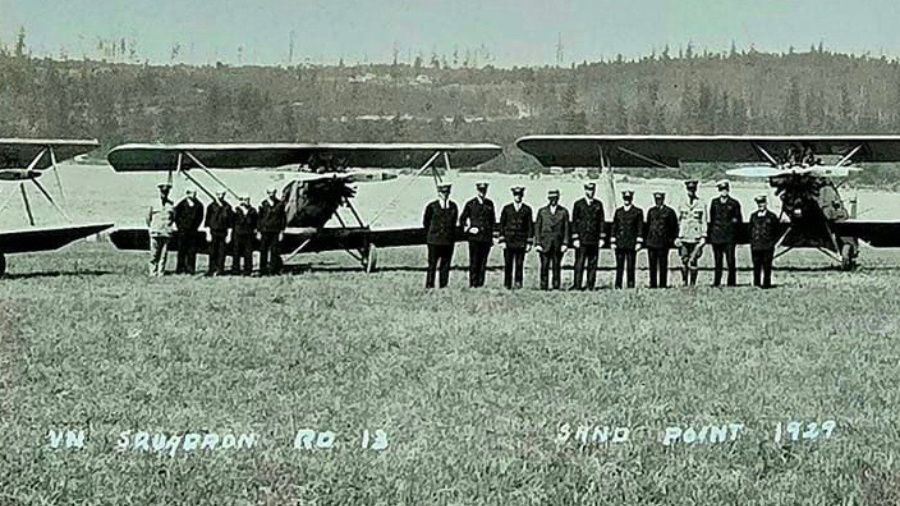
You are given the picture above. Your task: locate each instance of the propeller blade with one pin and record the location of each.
(755, 172)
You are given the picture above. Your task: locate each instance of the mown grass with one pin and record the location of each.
(471, 386)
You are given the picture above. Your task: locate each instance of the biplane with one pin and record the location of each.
(323, 186)
(24, 161)
(805, 171)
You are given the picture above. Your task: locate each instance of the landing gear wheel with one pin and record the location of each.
(848, 258)
(370, 260)
(2, 265)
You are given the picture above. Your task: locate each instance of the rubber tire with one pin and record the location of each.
(847, 261)
(371, 260)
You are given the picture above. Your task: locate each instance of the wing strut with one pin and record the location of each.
(27, 205)
(849, 156)
(606, 167)
(210, 174)
(766, 154)
(50, 199)
(59, 186)
(418, 173)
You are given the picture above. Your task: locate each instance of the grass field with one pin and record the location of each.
(470, 386)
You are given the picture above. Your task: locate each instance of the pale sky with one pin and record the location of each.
(522, 32)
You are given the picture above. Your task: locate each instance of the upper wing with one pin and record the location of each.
(673, 150)
(18, 153)
(45, 239)
(151, 157)
(880, 234)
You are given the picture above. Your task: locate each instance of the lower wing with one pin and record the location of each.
(327, 239)
(880, 234)
(46, 238)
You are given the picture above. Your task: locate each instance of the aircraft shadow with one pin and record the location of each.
(303, 268)
(55, 274)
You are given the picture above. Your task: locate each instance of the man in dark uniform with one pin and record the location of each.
(626, 237)
(764, 232)
(662, 230)
(724, 221)
(219, 217)
(440, 236)
(245, 221)
(517, 236)
(588, 236)
(272, 222)
(551, 234)
(188, 218)
(477, 220)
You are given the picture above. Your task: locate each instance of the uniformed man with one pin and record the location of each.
(161, 222)
(626, 237)
(188, 218)
(477, 221)
(551, 231)
(440, 236)
(219, 219)
(725, 220)
(516, 236)
(245, 221)
(662, 231)
(764, 231)
(691, 233)
(272, 222)
(588, 236)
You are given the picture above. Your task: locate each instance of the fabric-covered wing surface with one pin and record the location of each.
(150, 157)
(45, 238)
(18, 153)
(880, 234)
(672, 150)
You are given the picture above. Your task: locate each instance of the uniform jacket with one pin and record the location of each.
(517, 227)
(724, 220)
(440, 223)
(245, 220)
(627, 227)
(764, 230)
(551, 230)
(188, 217)
(588, 221)
(162, 219)
(219, 217)
(692, 221)
(272, 218)
(480, 215)
(661, 227)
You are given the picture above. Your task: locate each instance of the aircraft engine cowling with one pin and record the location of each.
(311, 203)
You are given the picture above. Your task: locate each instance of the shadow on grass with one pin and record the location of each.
(324, 267)
(55, 274)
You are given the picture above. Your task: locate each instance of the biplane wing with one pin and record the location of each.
(20, 153)
(152, 157)
(627, 151)
(328, 239)
(46, 238)
(879, 234)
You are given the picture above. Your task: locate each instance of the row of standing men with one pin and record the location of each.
(552, 231)
(228, 227)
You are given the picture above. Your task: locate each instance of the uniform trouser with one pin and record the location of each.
(243, 254)
(159, 251)
(513, 267)
(762, 267)
(187, 252)
(217, 253)
(478, 259)
(269, 252)
(658, 259)
(439, 258)
(551, 258)
(586, 254)
(690, 253)
(726, 250)
(625, 259)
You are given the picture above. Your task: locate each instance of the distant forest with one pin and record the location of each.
(737, 92)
